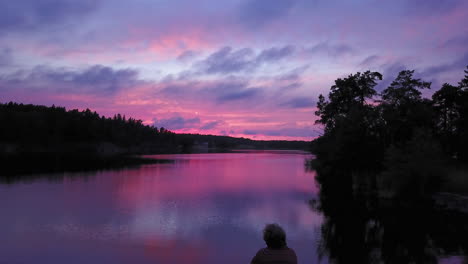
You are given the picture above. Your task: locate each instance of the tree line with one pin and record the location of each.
(29, 128)
(405, 141)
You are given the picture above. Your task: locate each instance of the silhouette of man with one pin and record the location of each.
(276, 251)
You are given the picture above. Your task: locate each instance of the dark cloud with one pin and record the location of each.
(103, 76)
(194, 89)
(256, 13)
(177, 122)
(227, 60)
(240, 94)
(220, 91)
(458, 64)
(42, 14)
(334, 50)
(177, 90)
(290, 131)
(211, 125)
(96, 79)
(275, 54)
(299, 102)
(250, 132)
(226, 84)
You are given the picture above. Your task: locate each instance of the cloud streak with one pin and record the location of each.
(33, 15)
(97, 79)
(177, 122)
(227, 60)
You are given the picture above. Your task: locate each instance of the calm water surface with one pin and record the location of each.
(202, 208)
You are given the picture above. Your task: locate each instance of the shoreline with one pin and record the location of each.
(30, 163)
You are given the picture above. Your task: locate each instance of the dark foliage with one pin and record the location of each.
(360, 229)
(197, 142)
(34, 128)
(395, 141)
(462, 122)
(36, 138)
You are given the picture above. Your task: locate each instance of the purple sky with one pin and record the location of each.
(250, 68)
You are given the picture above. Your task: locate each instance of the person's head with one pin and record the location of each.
(274, 236)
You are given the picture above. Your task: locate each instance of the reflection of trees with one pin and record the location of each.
(358, 228)
(55, 168)
(56, 177)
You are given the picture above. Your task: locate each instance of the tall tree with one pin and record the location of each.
(403, 109)
(346, 95)
(446, 104)
(404, 89)
(463, 84)
(348, 115)
(463, 120)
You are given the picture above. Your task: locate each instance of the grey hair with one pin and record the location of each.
(274, 236)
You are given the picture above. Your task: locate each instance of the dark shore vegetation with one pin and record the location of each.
(394, 142)
(390, 166)
(35, 138)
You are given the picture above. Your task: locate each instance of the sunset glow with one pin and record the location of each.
(249, 68)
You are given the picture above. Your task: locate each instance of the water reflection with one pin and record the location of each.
(203, 208)
(360, 228)
(210, 208)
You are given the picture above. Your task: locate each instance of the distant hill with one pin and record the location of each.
(206, 143)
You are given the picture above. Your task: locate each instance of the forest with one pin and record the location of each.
(42, 129)
(36, 138)
(392, 170)
(395, 142)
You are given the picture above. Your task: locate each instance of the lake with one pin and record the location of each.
(211, 208)
(199, 208)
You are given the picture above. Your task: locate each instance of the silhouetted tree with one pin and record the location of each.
(349, 117)
(404, 89)
(463, 84)
(34, 128)
(414, 169)
(403, 109)
(447, 109)
(392, 138)
(346, 95)
(462, 126)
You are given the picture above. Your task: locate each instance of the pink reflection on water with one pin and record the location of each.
(195, 175)
(198, 192)
(203, 208)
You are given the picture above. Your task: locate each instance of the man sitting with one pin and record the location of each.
(276, 251)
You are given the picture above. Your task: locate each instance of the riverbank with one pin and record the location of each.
(30, 163)
(33, 163)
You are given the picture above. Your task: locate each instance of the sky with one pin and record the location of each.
(244, 68)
